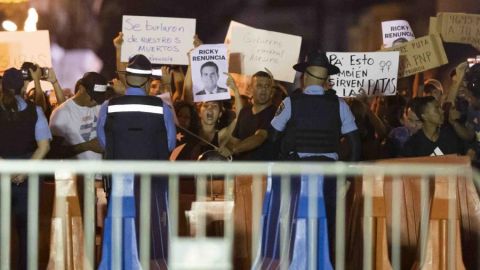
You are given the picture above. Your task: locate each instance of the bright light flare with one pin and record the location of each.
(9, 26)
(31, 21)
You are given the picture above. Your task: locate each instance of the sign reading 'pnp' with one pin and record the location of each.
(372, 73)
(420, 54)
(19, 47)
(162, 40)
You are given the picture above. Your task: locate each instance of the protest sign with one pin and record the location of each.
(372, 73)
(209, 63)
(433, 26)
(420, 54)
(396, 31)
(260, 49)
(233, 24)
(19, 47)
(459, 27)
(162, 40)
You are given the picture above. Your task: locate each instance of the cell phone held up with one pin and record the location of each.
(29, 65)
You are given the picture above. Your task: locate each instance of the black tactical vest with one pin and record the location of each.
(135, 129)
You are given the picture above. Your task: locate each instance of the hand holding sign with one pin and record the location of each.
(231, 82)
(118, 41)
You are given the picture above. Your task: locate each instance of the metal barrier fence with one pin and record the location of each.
(221, 248)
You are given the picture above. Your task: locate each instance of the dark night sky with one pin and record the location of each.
(213, 17)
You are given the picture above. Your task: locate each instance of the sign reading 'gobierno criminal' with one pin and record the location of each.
(260, 49)
(162, 40)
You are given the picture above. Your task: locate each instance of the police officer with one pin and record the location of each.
(313, 120)
(138, 127)
(24, 134)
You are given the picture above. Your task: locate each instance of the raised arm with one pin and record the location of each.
(121, 67)
(457, 82)
(226, 132)
(188, 84)
(39, 95)
(52, 78)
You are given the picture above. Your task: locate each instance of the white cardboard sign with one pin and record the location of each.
(395, 32)
(163, 40)
(259, 49)
(209, 63)
(19, 47)
(370, 73)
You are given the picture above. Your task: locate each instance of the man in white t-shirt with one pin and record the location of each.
(73, 123)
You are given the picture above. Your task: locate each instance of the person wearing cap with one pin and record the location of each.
(433, 88)
(74, 122)
(136, 127)
(312, 122)
(24, 135)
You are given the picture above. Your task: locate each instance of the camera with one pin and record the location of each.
(472, 77)
(29, 65)
(473, 61)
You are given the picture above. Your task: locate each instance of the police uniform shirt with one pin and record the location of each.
(284, 111)
(133, 91)
(42, 131)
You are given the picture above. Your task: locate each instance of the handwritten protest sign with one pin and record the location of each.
(260, 49)
(233, 24)
(420, 54)
(372, 73)
(396, 31)
(162, 40)
(19, 47)
(459, 27)
(209, 63)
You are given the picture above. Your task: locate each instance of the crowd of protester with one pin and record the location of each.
(431, 121)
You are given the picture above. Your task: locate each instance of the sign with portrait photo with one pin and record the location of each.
(396, 32)
(370, 73)
(208, 65)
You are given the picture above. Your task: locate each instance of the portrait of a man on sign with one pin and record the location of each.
(210, 76)
(209, 67)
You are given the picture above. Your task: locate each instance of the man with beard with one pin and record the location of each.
(248, 140)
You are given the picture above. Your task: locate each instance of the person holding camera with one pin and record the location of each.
(24, 135)
(32, 72)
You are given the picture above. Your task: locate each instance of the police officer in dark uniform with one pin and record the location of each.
(312, 120)
(139, 127)
(24, 134)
